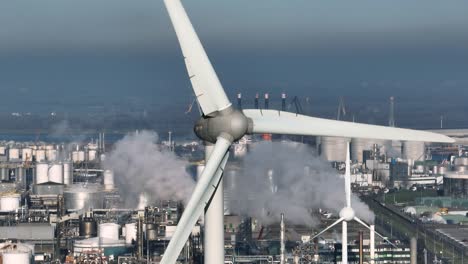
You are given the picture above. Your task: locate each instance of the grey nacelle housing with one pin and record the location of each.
(230, 123)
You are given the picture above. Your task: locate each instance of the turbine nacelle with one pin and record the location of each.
(229, 123)
(347, 214)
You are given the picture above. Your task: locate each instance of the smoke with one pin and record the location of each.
(142, 166)
(301, 182)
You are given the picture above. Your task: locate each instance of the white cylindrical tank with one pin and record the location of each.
(109, 230)
(2, 150)
(42, 173)
(56, 172)
(16, 257)
(67, 172)
(358, 145)
(333, 148)
(10, 202)
(26, 154)
(461, 161)
(130, 233)
(48, 147)
(92, 155)
(51, 154)
(75, 156)
(13, 154)
(108, 180)
(414, 150)
(81, 156)
(40, 155)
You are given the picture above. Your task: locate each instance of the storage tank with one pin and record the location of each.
(13, 154)
(92, 154)
(67, 172)
(109, 230)
(75, 156)
(333, 148)
(81, 156)
(10, 202)
(26, 154)
(42, 172)
(151, 232)
(414, 150)
(108, 180)
(15, 253)
(4, 174)
(130, 233)
(56, 172)
(51, 154)
(85, 197)
(88, 227)
(461, 161)
(40, 155)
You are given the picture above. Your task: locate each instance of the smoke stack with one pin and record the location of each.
(413, 250)
(267, 100)
(391, 119)
(239, 101)
(170, 140)
(372, 244)
(361, 251)
(282, 248)
(256, 101)
(283, 102)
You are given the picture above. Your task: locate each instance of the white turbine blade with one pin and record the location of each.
(330, 226)
(204, 190)
(347, 177)
(368, 227)
(279, 122)
(205, 82)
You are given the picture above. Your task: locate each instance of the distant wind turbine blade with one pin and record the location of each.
(204, 190)
(205, 82)
(368, 227)
(279, 122)
(330, 226)
(347, 177)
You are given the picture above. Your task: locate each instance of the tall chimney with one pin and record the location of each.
(413, 250)
(256, 101)
(391, 118)
(361, 250)
(282, 247)
(283, 102)
(372, 244)
(239, 101)
(267, 100)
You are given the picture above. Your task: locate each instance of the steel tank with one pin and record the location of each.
(414, 150)
(67, 172)
(92, 154)
(130, 233)
(51, 154)
(42, 172)
(56, 172)
(26, 154)
(230, 187)
(40, 155)
(333, 148)
(13, 154)
(151, 232)
(4, 174)
(461, 161)
(86, 197)
(10, 202)
(88, 227)
(108, 180)
(16, 256)
(109, 230)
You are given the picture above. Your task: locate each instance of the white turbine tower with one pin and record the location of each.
(347, 214)
(221, 124)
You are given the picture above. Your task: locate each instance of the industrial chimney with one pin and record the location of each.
(256, 101)
(283, 102)
(267, 100)
(239, 101)
(391, 118)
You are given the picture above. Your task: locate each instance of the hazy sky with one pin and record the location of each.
(75, 53)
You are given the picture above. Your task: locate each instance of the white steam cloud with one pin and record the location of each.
(142, 166)
(301, 182)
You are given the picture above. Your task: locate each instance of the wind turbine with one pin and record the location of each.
(221, 124)
(347, 214)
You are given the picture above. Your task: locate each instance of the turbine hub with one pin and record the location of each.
(347, 213)
(230, 122)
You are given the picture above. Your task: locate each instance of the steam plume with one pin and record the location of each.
(302, 182)
(140, 165)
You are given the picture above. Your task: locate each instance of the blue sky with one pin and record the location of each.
(125, 52)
